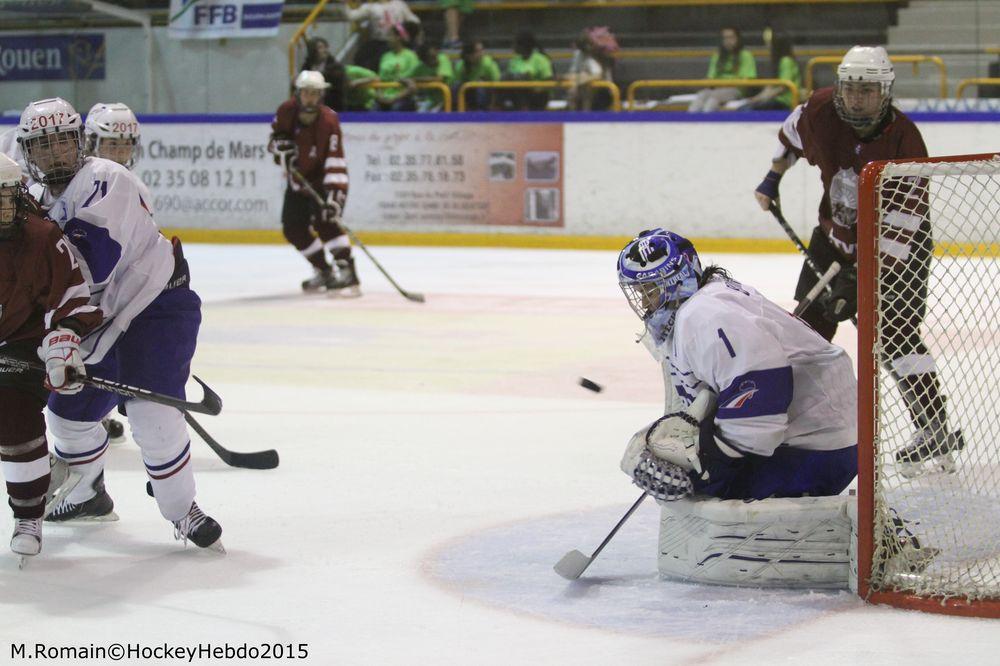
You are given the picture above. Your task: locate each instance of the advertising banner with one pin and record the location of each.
(217, 19)
(489, 174)
(52, 57)
(413, 177)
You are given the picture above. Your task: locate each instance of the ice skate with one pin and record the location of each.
(115, 428)
(203, 531)
(62, 481)
(99, 508)
(318, 282)
(27, 539)
(907, 556)
(345, 284)
(931, 450)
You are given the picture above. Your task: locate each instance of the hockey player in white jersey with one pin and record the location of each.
(112, 131)
(774, 402)
(140, 280)
(750, 473)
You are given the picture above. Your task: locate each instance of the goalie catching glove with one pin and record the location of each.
(60, 351)
(661, 456)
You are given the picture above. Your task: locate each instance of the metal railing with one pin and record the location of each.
(300, 35)
(965, 83)
(446, 100)
(915, 60)
(706, 83)
(616, 95)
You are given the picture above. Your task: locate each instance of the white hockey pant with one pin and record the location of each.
(82, 445)
(161, 435)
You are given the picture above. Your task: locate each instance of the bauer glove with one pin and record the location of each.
(63, 364)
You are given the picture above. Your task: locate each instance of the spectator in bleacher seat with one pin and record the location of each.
(434, 66)
(379, 19)
(398, 64)
(530, 63)
(732, 61)
(360, 96)
(782, 66)
(455, 12)
(593, 60)
(475, 65)
(319, 59)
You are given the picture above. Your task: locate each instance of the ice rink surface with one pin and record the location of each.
(436, 461)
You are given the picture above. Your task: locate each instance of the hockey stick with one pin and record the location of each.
(574, 563)
(824, 283)
(776, 212)
(256, 460)
(409, 295)
(210, 404)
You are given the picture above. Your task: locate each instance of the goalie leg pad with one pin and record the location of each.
(785, 543)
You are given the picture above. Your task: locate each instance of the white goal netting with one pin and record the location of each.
(936, 342)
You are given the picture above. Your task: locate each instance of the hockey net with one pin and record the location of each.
(929, 407)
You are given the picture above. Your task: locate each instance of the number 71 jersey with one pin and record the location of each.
(126, 260)
(777, 381)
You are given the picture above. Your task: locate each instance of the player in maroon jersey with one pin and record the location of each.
(44, 307)
(840, 130)
(306, 136)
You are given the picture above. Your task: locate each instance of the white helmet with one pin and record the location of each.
(11, 192)
(44, 128)
(309, 79)
(864, 64)
(116, 124)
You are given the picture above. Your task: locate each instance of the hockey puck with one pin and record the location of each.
(590, 386)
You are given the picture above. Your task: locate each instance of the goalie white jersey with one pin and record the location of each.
(777, 381)
(123, 255)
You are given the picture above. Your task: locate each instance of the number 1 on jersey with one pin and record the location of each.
(725, 341)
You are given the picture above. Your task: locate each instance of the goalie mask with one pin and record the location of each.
(864, 86)
(12, 193)
(112, 132)
(50, 134)
(310, 87)
(658, 271)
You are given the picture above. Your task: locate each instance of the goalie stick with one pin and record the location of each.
(210, 404)
(254, 460)
(574, 563)
(776, 212)
(409, 295)
(824, 283)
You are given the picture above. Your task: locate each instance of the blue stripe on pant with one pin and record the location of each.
(789, 472)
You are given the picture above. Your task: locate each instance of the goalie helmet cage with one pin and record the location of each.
(957, 513)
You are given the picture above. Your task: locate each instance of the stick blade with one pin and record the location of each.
(412, 296)
(572, 565)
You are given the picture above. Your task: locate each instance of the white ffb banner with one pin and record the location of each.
(215, 19)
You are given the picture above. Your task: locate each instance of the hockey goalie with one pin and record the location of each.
(760, 432)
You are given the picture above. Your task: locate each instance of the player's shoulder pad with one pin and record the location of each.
(820, 102)
(328, 116)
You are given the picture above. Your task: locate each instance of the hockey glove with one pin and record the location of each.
(63, 364)
(769, 186)
(284, 150)
(842, 303)
(672, 438)
(333, 210)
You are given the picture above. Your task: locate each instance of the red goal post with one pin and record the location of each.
(959, 196)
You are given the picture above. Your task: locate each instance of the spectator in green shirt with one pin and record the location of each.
(732, 61)
(528, 64)
(397, 64)
(360, 96)
(783, 66)
(434, 66)
(475, 65)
